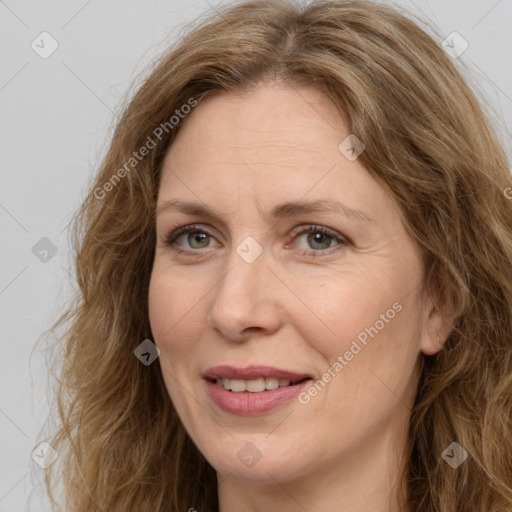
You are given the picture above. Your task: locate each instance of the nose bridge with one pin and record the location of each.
(246, 268)
(246, 258)
(244, 296)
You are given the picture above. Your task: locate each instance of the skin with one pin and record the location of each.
(298, 306)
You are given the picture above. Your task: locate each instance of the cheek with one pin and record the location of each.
(172, 333)
(344, 309)
(375, 326)
(170, 312)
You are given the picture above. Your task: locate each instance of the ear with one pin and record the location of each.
(438, 316)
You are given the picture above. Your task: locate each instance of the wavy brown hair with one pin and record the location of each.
(429, 141)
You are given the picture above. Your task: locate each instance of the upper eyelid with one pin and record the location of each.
(187, 228)
(179, 229)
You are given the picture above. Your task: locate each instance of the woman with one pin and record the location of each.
(294, 272)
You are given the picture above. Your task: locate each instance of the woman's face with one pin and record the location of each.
(250, 287)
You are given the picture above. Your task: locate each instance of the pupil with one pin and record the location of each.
(317, 238)
(199, 235)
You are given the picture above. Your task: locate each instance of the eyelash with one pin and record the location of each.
(170, 240)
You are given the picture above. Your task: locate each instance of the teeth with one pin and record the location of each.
(252, 385)
(237, 385)
(271, 383)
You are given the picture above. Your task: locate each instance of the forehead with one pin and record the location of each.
(268, 126)
(268, 113)
(270, 144)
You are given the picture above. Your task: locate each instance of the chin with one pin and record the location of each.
(243, 461)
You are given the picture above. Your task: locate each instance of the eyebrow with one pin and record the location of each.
(280, 211)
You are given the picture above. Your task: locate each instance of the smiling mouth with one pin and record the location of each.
(258, 385)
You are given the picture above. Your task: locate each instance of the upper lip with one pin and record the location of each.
(252, 372)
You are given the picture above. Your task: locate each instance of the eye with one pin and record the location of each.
(196, 237)
(320, 238)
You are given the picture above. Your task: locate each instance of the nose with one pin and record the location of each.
(247, 299)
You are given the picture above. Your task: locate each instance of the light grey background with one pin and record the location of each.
(56, 115)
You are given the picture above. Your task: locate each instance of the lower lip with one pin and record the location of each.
(248, 404)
